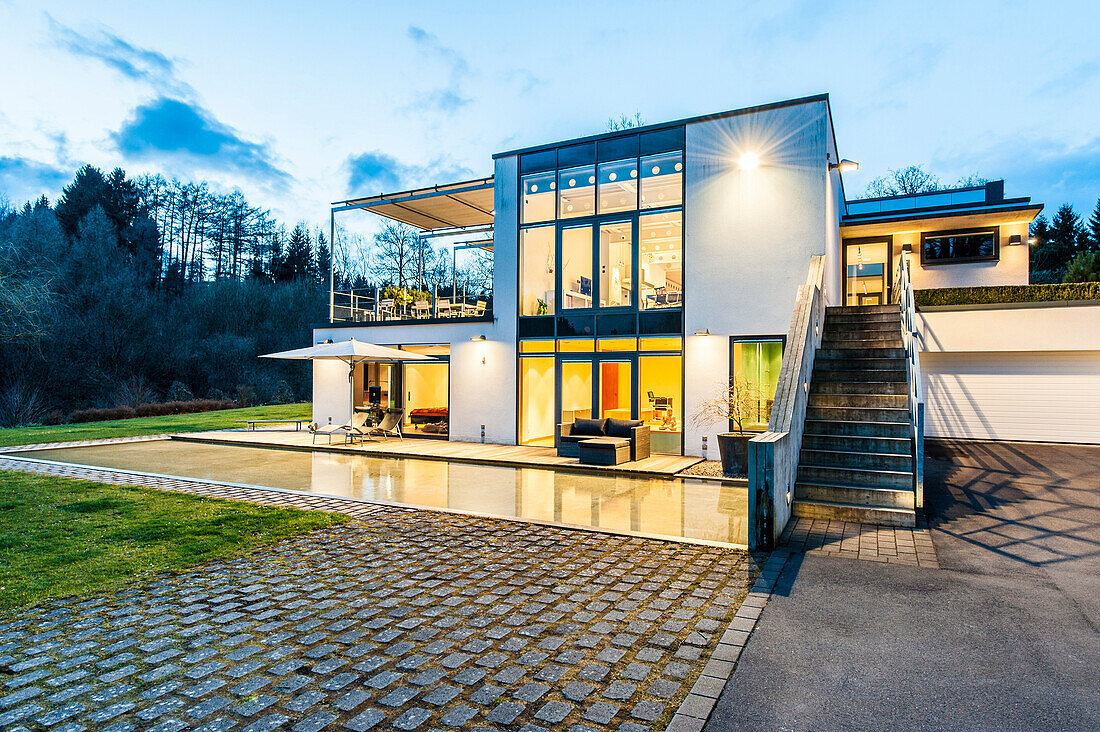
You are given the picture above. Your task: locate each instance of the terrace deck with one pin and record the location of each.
(469, 452)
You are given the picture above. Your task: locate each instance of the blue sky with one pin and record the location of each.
(300, 104)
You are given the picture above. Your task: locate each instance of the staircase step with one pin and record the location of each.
(859, 414)
(832, 361)
(855, 495)
(904, 517)
(825, 375)
(877, 401)
(862, 477)
(849, 309)
(878, 445)
(862, 318)
(844, 458)
(834, 352)
(856, 428)
(859, 387)
(833, 342)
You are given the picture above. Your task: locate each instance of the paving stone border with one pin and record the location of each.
(552, 628)
(893, 545)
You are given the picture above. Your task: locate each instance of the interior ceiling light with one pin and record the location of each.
(748, 161)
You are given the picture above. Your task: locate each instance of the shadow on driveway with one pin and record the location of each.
(1004, 637)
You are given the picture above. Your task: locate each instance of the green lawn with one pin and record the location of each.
(61, 537)
(150, 425)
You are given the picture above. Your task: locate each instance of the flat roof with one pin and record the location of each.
(665, 125)
(459, 205)
(983, 200)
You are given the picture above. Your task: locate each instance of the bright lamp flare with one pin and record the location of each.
(748, 161)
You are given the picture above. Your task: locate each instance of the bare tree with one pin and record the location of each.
(396, 256)
(625, 122)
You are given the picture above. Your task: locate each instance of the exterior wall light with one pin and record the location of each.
(748, 161)
(1015, 240)
(844, 166)
(477, 338)
(1032, 241)
(703, 332)
(907, 246)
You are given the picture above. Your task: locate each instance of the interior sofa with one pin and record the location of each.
(571, 434)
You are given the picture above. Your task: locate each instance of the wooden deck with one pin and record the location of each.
(468, 452)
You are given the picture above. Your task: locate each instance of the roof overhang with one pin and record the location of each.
(456, 206)
(883, 224)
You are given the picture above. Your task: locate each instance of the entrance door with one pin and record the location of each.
(866, 266)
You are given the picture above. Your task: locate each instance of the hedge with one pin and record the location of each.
(1008, 294)
(159, 409)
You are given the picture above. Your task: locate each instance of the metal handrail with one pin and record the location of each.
(773, 455)
(905, 299)
(367, 304)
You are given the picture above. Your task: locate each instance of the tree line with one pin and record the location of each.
(1066, 248)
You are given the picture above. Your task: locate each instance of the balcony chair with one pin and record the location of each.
(386, 309)
(421, 309)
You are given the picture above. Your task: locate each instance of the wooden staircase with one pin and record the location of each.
(856, 458)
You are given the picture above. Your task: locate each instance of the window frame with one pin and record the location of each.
(934, 262)
(780, 339)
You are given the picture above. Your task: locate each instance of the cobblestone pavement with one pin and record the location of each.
(862, 541)
(404, 620)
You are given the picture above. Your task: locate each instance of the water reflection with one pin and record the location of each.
(693, 509)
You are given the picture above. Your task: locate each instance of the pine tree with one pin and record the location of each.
(1094, 229)
(1056, 244)
(297, 262)
(323, 260)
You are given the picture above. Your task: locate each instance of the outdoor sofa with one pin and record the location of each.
(571, 435)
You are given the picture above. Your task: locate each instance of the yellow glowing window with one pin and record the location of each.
(576, 345)
(536, 346)
(660, 344)
(618, 344)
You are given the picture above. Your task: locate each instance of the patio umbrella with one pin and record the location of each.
(351, 352)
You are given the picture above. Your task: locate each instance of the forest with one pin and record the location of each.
(138, 291)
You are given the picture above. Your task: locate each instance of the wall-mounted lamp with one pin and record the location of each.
(703, 332)
(477, 338)
(844, 166)
(1015, 240)
(748, 161)
(1032, 241)
(907, 246)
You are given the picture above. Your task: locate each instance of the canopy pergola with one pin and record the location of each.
(351, 352)
(438, 210)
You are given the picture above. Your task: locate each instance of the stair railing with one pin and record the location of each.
(773, 455)
(904, 298)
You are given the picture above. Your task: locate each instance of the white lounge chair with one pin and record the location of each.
(327, 429)
(357, 428)
(390, 424)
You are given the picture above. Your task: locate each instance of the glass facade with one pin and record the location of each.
(662, 181)
(755, 366)
(576, 271)
(577, 192)
(536, 262)
(661, 265)
(616, 264)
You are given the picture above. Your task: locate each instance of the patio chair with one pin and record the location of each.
(358, 427)
(390, 424)
(479, 308)
(386, 309)
(443, 307)
(421, 309)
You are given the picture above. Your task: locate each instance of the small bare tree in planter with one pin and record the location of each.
(734, 404)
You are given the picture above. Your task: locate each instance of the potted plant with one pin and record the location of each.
(542, 307)
(732, 405)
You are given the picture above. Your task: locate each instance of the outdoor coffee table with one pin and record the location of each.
(604, 451)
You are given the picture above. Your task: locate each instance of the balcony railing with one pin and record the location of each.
(395, 305)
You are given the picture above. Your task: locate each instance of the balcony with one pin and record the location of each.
(402, 306)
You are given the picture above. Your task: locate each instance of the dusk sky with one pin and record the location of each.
(300, 104)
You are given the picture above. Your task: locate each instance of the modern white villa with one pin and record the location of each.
(636, 273)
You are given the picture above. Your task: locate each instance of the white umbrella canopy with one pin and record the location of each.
(351, 352)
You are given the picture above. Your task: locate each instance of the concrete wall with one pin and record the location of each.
(749, 235)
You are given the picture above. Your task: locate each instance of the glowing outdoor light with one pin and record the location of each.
(844, 166)
(748, 161)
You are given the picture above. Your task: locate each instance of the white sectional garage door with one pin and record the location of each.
(1045, 396)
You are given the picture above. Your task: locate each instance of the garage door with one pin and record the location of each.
(1044, 396)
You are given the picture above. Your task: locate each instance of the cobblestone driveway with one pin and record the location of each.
(406, 620)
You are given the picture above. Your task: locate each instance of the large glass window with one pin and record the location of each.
(538, 198)
(536, 400)
(427, 397)
(576, 390)
(661, 265)
(577, 192)
(536, 271)
(865, 283)
(576, 267)
(618, 186)
(659, 387)
(959, 246)
(754, 379)
(615, 389)
(662, 180)
(616, 264)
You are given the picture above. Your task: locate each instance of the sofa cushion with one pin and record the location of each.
(589, 427)
(622, 427)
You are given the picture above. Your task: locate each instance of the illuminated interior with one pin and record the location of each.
(536, 400)
(866, 277)
(660, 386)
(615, 389)
(536, 257)
(576, 267)
(661, 263)
(421, 388)
(576, 192)
(616, 264)
(756, 370)
(576, 390)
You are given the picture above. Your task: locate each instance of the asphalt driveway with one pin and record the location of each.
(1005, 636)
